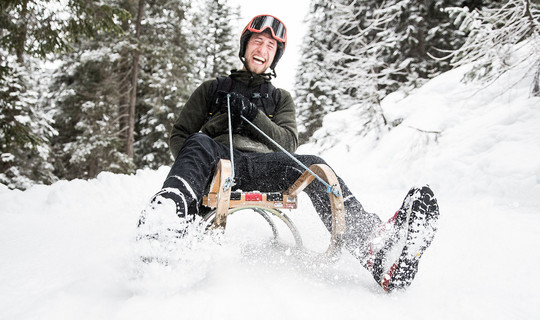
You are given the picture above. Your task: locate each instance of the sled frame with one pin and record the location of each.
(220, 191)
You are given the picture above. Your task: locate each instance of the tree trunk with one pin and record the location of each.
(22, 34)
(134, 78)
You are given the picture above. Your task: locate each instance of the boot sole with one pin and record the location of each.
(421, 220)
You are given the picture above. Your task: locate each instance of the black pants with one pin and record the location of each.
(194, 168)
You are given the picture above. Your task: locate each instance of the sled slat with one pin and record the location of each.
(219, 197)
(222, 192)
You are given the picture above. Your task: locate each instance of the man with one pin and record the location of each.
(200, 138)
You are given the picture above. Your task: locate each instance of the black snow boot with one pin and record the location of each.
(396, 247)
(165, 213)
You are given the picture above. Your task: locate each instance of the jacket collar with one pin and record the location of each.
(249, 79)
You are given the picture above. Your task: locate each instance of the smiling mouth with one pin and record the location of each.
(259, 59)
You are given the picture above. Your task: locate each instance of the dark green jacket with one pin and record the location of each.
(193, 118)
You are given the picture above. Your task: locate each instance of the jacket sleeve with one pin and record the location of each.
(283, 128)
(191, 118)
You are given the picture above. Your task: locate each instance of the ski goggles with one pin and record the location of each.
(262, 22)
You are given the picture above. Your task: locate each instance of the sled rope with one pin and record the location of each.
(329, 189)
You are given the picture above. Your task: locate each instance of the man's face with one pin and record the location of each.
(260, 51)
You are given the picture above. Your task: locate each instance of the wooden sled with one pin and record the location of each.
(225, 202)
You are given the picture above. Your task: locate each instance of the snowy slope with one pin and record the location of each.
(67, 250)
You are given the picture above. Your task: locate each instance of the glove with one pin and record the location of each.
(240, 106)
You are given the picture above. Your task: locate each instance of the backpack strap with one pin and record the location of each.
(275, 95)
(270, 97)
(221, 83)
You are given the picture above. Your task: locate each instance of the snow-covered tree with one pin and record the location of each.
(24, 127)
(85, 99)
(98, 83)
(40, 27)
(166, 78)
(357, 61)
(177, 57)
(214, 37)
(31, 30)
(394, 39)
(495, 34)
(316, 90)
(375, 48)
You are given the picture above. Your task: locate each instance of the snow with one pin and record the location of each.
(69, 251)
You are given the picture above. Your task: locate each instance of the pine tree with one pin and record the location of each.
(86, 117)
(496, 33)
(32, 29)
(24, 128)
(178, 56)
(166, 79)
(375, 48)
(316, 91)
(39, 27)
(163, 82)
(215, 43)
(91, 95)
(358, 66)
(412, 32)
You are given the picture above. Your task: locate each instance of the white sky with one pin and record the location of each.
(293, 14)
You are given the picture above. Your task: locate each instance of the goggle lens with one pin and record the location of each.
(258, 24)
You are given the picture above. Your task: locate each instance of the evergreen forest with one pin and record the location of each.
(88, 86)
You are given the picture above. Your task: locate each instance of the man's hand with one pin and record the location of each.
(240, 106)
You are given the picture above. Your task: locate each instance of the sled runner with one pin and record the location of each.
(226, 202)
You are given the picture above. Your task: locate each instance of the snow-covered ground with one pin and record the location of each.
(67, 251)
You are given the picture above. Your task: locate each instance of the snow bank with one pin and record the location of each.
(462, 139)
